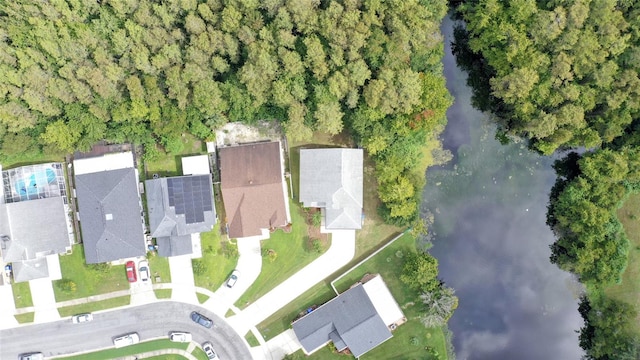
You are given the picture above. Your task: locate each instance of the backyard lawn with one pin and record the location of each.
(292, 254)
(94, 306)
(629, 288)
(171, 164)
(88, 280)
(22, 294)
(131, 350)
(219, 258)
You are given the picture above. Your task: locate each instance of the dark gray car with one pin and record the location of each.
(201, 319)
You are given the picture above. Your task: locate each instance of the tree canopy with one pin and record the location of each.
(562, 73)
(75, 72)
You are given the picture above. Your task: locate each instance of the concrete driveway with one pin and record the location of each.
(44, 301)
(249, 265)
(182, 279)
(342, 250)
(7, 320)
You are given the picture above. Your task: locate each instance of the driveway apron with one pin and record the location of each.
(44, 301)
(182, 279)
(7, 320)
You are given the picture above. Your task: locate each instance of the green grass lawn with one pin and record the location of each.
(94, 306)
(25, 318)
(251, 339)
(163, 293)
(293, 254)
(31, 157)
(159, 266)
(217, 264)
(629, 289)
(22, 294)
(132, 350)
(202, 297)
(171, 164)
(199, 354)
(88, 280)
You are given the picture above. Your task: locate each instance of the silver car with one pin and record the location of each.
(143, 270)
(81, 318)
(233, 278)
(208, 349)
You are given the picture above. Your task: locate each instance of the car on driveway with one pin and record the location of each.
(233, 278)
(143, 269)
(31, 356)
(179, 336)
(201, 319)
(208, 349)
(126, 340)
(81, 318)
(131, 271)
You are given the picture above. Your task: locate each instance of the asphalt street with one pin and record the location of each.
(149, 321)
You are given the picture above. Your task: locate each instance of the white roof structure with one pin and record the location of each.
(105, 162)
(383, 301)
(196, 165)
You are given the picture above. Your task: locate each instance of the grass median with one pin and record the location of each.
(22, 294)
(132, 350)
(94, 306)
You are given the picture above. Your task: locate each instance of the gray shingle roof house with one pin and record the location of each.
(332, 179)
(33, 218)
(351, 320)
(109, 208)
(253, 188)
(179, 206)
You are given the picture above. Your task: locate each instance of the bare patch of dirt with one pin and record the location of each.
(238, 133)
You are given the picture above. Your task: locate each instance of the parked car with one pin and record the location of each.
(208, 349)
(31, 356)
(126, 340)
(131, 271)
(201, 319)
(81, 318)
(143, 269)
(179, 336)
(233, 278)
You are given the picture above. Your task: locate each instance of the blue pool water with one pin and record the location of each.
(34, 184)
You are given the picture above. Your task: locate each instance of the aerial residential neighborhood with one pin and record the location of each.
(128, 220)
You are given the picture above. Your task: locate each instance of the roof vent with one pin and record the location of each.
(109, 216)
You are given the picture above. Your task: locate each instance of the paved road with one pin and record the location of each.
(149, 321)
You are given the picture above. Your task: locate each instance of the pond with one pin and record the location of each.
(490, 237)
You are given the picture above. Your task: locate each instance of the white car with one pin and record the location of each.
(208, 349)
(126, 340)
(81, 318)
(178, 336)
(233, 278)
(143, 269)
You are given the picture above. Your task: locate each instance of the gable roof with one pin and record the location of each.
(253, 188)
(179, 206)
(349, 320)
(174, 245)
(110, 215)
(332, 179)
(30, 269)
(33, 228)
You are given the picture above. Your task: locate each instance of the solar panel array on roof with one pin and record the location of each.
(188, 196)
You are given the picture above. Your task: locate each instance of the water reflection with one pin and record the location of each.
(492, 242)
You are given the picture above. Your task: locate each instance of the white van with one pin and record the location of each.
(126, 340)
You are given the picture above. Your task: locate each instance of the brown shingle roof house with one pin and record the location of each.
(253, 189)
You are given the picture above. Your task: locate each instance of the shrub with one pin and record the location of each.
(317, 246)
(66, 286)
(316, 219)
(199, 267)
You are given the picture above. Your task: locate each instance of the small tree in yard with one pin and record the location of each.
(420, 271)
(439, 306)
(66, 286)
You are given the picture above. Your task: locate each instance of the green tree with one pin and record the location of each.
(420, 272)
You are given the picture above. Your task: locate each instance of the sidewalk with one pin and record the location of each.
(342, 250)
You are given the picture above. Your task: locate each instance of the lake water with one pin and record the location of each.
(490, 237)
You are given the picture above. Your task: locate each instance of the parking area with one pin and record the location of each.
(182, 277)
(44, 300)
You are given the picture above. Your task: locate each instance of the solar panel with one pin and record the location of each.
(190, 196)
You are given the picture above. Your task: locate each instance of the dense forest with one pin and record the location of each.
(76, 72)
(564, 74)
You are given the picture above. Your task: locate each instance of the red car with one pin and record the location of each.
(131, 271)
